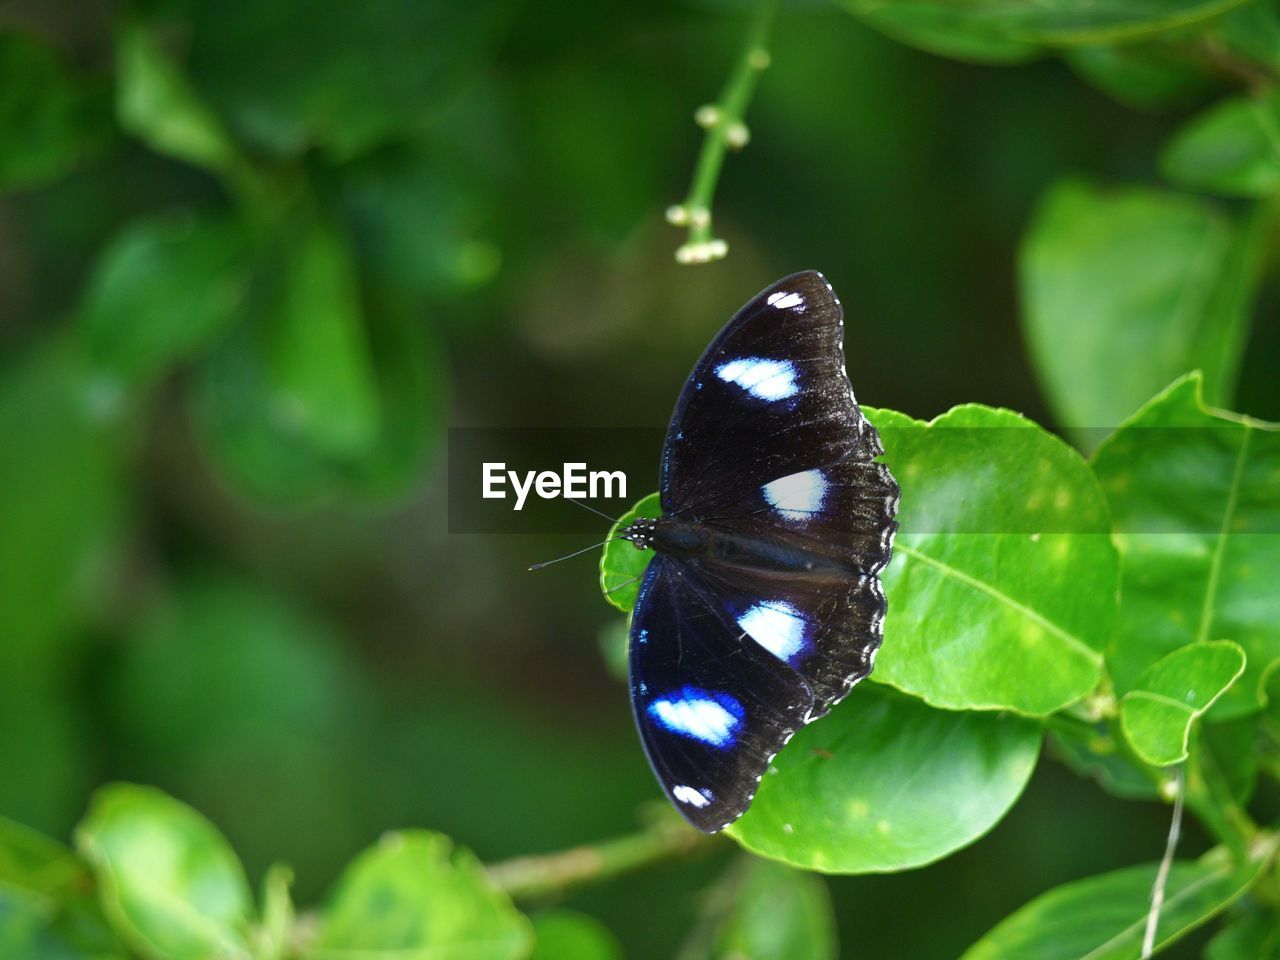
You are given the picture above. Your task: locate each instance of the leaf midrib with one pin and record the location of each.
(1070, 639)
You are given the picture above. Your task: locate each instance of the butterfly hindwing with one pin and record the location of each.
(711, 711)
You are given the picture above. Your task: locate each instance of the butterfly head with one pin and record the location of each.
(640, 532)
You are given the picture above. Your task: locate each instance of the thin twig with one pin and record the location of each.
(537, 877)
(723, 121)
(1166, 863)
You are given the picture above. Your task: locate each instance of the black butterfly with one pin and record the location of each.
(763, 606)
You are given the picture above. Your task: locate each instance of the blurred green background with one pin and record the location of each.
(255, 258)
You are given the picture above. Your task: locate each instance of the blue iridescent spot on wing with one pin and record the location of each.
(706, 716)
(765, 379)
(778, 627)
(798, 495)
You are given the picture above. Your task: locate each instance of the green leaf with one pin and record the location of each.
(944, 29)
(1005, 31)
(1125, 290)
(324, 388)
(26, 933)
(414, 896)
(1157, 714)
(1196, 520)
(1145, 76)
(291, 403)
(273, 937)
(1103, 917)
(38, 866)
(1102, 760)
(1252, 936)
(354, 78)
(1252, 31)
(156, 103)
(885, 783)
(569, 935)
(170, 884)
(765, 911)
(162, 289)
(412, 380)
(996, 516)
(61, 507)
(1228, 752)
(621, 564)
(419, 225)
(49, 120)
(1231, 149)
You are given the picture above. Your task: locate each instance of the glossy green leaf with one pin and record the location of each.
(766, 911)
(156, 103)
(48, 118)
(161, 290)
(1192, 496)
(1108, 276)
(886, 783)
(1228, 751)
(1232, 149)
(621, 564)
(1108, 763)
(1145, 76)
(1157, 714)
(1002, 586)
(414, 895)
(1253, 936)
(569, 935)
(169, 882)
(1103, 917)
(1002, 31)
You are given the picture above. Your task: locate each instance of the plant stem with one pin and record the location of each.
(538, 877)
(723, 121)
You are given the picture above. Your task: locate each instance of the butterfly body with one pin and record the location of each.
(692, 540)
(762, 606)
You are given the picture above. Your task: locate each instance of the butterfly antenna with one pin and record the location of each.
(598, 513)
(624, 583)
(594, 546)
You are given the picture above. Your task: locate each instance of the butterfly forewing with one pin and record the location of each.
(769, 397)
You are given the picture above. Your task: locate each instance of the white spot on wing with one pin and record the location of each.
(785, 301)
(695, 798)
(766, 379)
(797, 495)
(698, 715)
(776, 626)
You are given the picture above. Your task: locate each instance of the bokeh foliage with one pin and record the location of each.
(253, 259)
